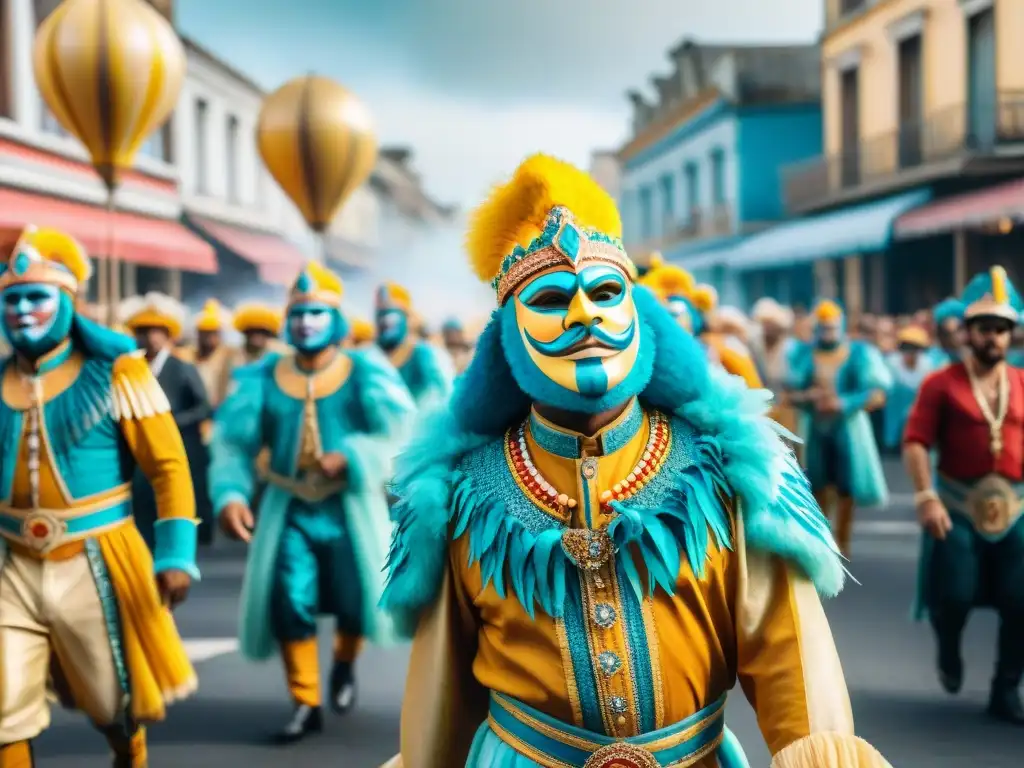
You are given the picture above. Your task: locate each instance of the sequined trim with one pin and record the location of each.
(111, 613)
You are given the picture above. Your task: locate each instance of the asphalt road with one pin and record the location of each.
(888, 661)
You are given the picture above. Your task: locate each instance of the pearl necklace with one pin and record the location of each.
(544, 494)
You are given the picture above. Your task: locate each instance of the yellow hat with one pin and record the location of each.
(257, 317)
(154, 310)
(827, 312)
(47, 256)
(704, 298)
(668, 280)
(316, 283)
(550, 213)
(212, 318)
(362, 331)
(395, 295)
(914, 335)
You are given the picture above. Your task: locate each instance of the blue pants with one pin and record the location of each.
(315, 574)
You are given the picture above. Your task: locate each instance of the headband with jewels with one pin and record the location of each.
(47, 256)
(991, 294)
(549, 214)
(316, 285)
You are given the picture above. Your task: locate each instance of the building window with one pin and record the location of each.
(911, 104)
(202, 119)
(231, 158)
(718, 176)
(48, 123)
(158, 144)
(691, 173)
(646, 214)
(983, 96)
(668, 202)
(849, 110)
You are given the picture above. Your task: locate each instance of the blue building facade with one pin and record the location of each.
(703, 171)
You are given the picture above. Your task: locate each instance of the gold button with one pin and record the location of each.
(620, 720)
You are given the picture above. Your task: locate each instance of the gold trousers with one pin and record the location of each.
(52, 607)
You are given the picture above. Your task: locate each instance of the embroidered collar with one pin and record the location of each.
(572, 445)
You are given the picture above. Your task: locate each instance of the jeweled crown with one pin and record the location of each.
(49, 257)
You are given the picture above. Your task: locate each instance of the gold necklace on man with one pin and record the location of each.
(995, 420)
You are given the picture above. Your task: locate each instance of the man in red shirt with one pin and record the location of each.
(971, 414)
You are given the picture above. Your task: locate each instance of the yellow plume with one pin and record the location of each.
(60, 248)
(325, 279)
(399, 295)
(516, 211)
(362, 331)
(705, 299)
(1000, 294)
(212, 318)
(669, 280)
(828, 312)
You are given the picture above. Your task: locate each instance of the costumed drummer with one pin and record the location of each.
(421, 365)
(79, 409)
(331, 420)
(971, 414)
(591, 546)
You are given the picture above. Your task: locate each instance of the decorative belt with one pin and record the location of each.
(312, 489)
(993, 504)
(554, 744)
(43, 530)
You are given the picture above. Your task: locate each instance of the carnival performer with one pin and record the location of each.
(421, 365)
(455, 341)
(78, 585)
(971, 413)
(948, 317)
(260, 326)
(210, 355)
(837, 381)
(156, 322)
(722, 348)
(909, 366)
(593, 546)
(330, 419)
(772, 347)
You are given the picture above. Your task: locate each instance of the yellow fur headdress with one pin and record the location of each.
(213, 317)
(550, 213)
(828, 313)
(362, 330)
(705, 299)
(154, 310)
(668, 280)
(316, 283)
(394, 295)
(47, 256)
(257, 317)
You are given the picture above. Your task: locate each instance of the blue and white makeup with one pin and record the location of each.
(37, 317)
(392, 321)
(314, 326)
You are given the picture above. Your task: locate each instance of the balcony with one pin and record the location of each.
(699, 225)
(944, 144)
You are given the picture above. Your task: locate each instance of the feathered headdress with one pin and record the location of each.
(47, 256)
(213, 317)
(668, 280)
(154, 310)
(991, 294)
(550, 213)
(316, 283)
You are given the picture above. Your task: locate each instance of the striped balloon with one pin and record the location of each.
(317, 141)
(111, 72)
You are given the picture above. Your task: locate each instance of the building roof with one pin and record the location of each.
(193, 47)
(395, 177)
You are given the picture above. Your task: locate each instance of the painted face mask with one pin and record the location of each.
(36, 317)
(579, 329)
(313, 326)
(392, 327)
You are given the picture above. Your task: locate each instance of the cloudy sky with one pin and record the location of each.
(475, 85)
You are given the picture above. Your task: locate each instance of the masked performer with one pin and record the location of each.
(330, 419)
(972, 414)
(155, 320)
(909, 365)
(773, 347)
(260, 326)
(210, 355)
(79, 410)
(455, 341)
(948, 317)
(596, 546)
(421, 365)
(836, 382)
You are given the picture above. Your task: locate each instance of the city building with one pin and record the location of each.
(46, 178)
(923, 121)
(606, 171)
(700, 171)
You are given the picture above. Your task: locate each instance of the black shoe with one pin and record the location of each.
(951, 670)
(1004, 704)
(343, 687)
(305, 721)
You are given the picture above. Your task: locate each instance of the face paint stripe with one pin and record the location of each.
(591, 377)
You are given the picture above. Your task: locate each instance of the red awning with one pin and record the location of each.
(278, 260)
(137, 239)
(972, 209)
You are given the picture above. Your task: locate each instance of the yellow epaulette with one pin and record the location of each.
(135, 390)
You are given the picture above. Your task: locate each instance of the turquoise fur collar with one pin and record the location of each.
(734, 451)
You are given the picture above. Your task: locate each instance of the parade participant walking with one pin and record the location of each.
(721, 346)
(459, 348)
(772, 348)
(837, 382)
(596, 546)
(948, 317)
(971, 414)
(423, 368)
(155, 321)
(330, 420)
(78, 584)
(210, 355)
(909, 365)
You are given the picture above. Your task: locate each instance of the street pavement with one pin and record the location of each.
(888, 662)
